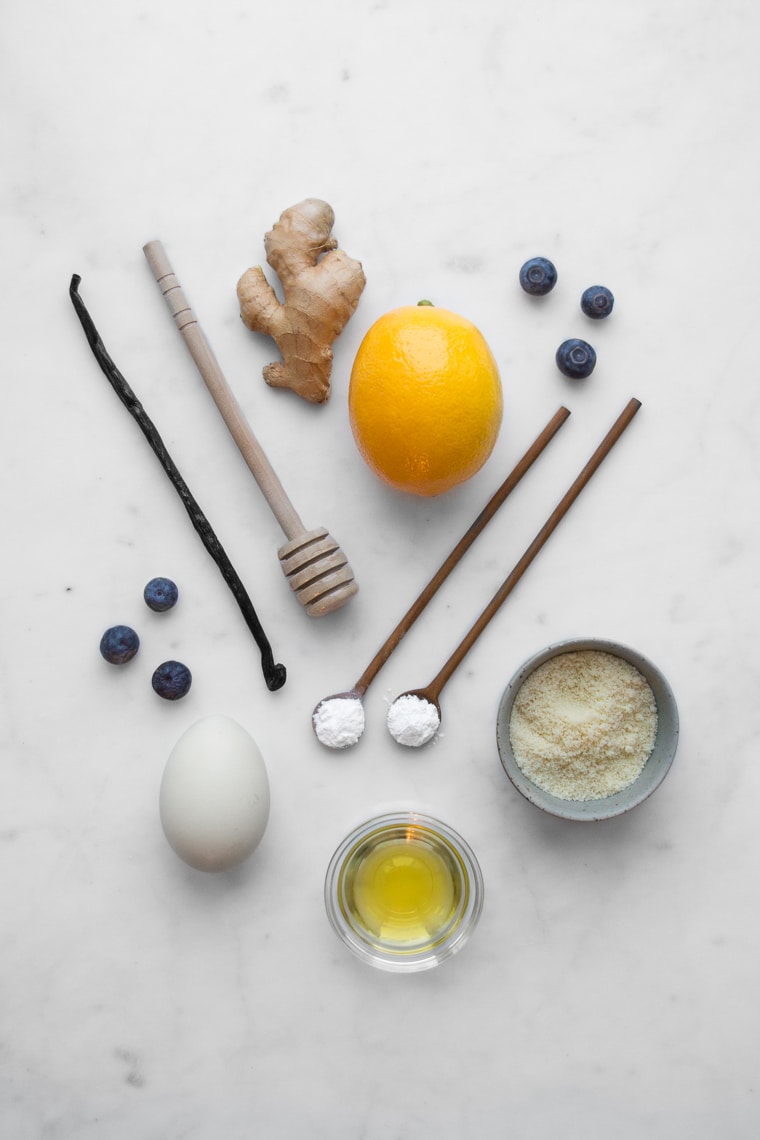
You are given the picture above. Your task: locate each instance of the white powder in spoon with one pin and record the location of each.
(339, 721)
(413, 720)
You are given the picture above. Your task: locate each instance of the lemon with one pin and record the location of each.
(425, 400)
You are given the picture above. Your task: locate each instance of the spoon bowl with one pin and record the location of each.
(338, 720)
(414, 717)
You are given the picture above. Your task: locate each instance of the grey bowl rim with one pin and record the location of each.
(657, 766)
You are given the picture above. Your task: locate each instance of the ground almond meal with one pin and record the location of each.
(583, 725)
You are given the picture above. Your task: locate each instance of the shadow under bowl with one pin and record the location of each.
(656, 767)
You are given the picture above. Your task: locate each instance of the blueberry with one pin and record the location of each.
(597, 302)
(538, 276)
(172, 680)
(575, 358)
(119, 644)
(160, 594)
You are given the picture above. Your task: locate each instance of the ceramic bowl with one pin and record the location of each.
(657, 764)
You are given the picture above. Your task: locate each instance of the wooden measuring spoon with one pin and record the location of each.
(312, 561)
(338, 721)
(415, 716)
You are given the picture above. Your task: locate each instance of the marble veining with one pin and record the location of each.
(611, 987)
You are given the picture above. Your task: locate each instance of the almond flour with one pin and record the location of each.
(583, 725)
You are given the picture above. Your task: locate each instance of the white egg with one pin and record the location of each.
(214, 798)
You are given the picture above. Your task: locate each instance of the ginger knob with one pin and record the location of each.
(321, 288)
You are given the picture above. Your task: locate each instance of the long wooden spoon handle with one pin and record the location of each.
(465, 542)
(559, 512)
(224, 398)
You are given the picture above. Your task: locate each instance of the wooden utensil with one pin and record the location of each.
(312, 561)
(410, 617)
(431, 693)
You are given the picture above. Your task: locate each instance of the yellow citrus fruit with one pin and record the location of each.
(425, 400)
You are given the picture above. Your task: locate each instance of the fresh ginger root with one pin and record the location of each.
(321, 288)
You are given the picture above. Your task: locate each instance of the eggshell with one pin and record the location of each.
(214, 797)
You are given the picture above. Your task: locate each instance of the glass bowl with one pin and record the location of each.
(657, 764)
(403, 891)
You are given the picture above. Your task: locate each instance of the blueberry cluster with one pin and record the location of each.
(575, 358)
(119, 644)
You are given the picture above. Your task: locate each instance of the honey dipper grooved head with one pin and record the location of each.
(318, 572)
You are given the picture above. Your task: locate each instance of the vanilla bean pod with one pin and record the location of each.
(274, 674)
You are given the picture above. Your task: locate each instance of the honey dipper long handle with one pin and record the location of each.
(213, 377)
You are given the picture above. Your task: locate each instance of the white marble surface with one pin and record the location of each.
(611, 988)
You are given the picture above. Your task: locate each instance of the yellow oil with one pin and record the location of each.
(405, 890)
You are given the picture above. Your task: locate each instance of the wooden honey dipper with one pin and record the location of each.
(312, 561)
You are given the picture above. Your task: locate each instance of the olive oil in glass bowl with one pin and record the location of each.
(403, 891)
